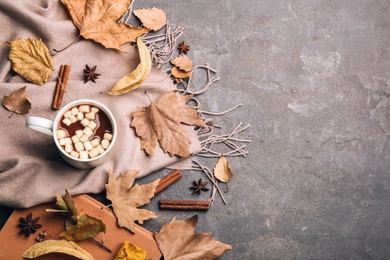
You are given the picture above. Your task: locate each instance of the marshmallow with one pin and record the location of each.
(68, 148)
(92, 125)
(94, 110)
(90, 116)
(84, 138)
(80, 116)
(74, 111)
(84, 108)
(107, 136)
(105, 143)
(93, 153)
(87, 145)
(84, 122)
(83, 155)
(61, 141)
(100, 149)
(72, 119)
(79, 146)
(61, 133)
(67, 113)
(74, 154)
(67, 121)
(68, 140)
(88, 131)
(79, 133)
(75, 139)
(95, 142)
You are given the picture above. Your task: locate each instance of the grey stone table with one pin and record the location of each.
(313, 81)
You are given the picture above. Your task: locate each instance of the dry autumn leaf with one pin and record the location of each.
(126, 199)
(57, 246)
(177, 240)
(31, 59)
(97, 20)
(137, 77)
(18, 102)
(161, 121)
(152, 18)
(130, 251)
(222, 170)
(180, 74)
(183, 63)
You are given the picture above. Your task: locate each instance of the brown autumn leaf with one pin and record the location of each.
(180, 74)
(161, 121)
(18, 102)
(183, 63)
(152, 18)
(97, 20)
(177, 240)
(222, 170)
(126, 198)
(31, 59)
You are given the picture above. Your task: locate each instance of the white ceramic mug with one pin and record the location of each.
(49, 127)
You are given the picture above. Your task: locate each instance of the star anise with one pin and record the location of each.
(29, 225)
(90, 74)
(183, 47)
(198, 186)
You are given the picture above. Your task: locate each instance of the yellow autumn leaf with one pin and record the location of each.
(57, 246)
(135, 79)
(31, 59)
(129, 251)
(222, 170)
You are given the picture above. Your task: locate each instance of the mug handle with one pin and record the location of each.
(40, 124)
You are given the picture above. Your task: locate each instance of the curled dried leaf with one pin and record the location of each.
(180, 74)
(57, 246)
(18, 102)
(137, 77)
(152, 18)
(183, 63)
(222, 170)
(31, 59)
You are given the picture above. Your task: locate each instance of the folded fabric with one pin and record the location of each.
(31, 169)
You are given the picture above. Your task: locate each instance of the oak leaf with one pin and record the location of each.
(97, 20)
(126, 198)
(152, 18)
(18, 102)
(137, 77)
(31, 59)
(161, 121)
(177, 240)
(222, 170)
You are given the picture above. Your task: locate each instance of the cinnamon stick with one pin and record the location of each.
(61, 85)
(185, 204)
(167, 181)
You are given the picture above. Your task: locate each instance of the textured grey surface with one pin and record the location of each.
(313, 80)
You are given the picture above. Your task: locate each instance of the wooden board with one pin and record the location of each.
(13, 244)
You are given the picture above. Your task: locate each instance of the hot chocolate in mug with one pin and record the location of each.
(84, 132)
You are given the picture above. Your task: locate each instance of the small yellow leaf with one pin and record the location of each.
(129, 251)
(57, 246)
(183, 63)
(152, 18)
(31, 59)
(222, 170)
(137, 77)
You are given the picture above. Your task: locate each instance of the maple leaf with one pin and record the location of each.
(177, 240)
(161, 121)
(126, 199)
(18, 102)
(152, 18)
(31, 59)
(97, 20)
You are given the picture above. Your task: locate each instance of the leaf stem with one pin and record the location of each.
(74, 41)
(101, 244)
